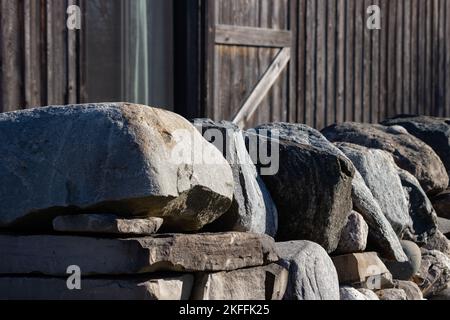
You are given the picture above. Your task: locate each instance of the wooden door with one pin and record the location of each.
(249, 61)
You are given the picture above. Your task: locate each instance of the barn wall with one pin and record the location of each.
(343, 71)
(347, 72)
(38, 55)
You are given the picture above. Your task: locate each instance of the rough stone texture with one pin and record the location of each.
(409, 153)
(354, 235)
(143, 288)
(311, 189)
(253, 209)
(362, 270)
(392, 294)
(370, 295)
(433, 131)
(443, 295)
(51, 255)
(260, 283)
(444, 226)
(119, 158)
(440, 243)
(441, 204)
(106, 224)
(421, 210)
(381, 177)
(351, 294)
(411, 289)
(381, 234)
(434, 273)
(406, 270)
(312, 275)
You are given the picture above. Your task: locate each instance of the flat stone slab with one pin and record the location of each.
(362, 270)
(52, 255)
(144, 288)
(106, 224)
(260, 283)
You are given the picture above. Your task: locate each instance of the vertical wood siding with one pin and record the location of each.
(38, 54)
(341, 70)
(368, 75)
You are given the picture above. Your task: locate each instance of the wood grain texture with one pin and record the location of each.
(264, 85)
(253, 37)
(12, 82)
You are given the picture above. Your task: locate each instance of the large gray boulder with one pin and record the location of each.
(380, 174)
(433, 131)
(421, 210)
(176, 287)
(409, 153)
(259, 283)
(311, 188)
(120, 158)
(253, 209)
(381, 234)
(51, 255)
(312, 275)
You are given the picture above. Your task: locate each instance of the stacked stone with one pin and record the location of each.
(120, 195)
(146, 205)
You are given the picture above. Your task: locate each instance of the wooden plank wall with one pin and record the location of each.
(237, 69)
(38, 60)
(343, 71)
(346, 72)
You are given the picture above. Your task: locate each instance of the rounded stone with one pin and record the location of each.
(406, 270)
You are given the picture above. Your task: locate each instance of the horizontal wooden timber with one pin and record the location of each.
(253, 37)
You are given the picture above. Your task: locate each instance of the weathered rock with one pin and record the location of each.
(312, 275)
(252, 209)
(434, 273)
(409, 153)
(444, 226)
(438, 242)
(381, 177)
(354, 235)
(433, 131)
(351, 294)
(370, 295)
(51, 255)
(411, 289)
(421, 210)
(441, 204)
(119, 158)
(392, 294)
(106, 224)
(143, 288)
(311, 189)
(406, 270)
(442, 295)
(260, 283)
(362, 270)
(381, 235)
